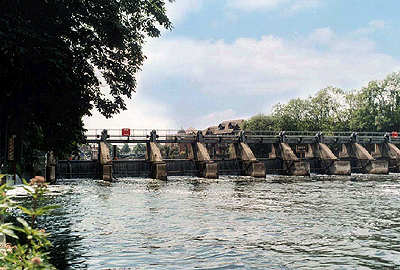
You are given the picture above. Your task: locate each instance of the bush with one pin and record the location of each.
(29, 252)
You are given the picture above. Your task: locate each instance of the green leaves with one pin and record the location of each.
(260, 122)
(26, 210)
(31, 255)
(8, 229)
(54, 54)
(372, 108)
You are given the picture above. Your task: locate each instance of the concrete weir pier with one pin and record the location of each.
(105, 162)
(362, 161)
(329, 163)
(292, 165)
(209, 155)
(251, 166)
(157, 165)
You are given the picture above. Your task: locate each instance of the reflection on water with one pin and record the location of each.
(317, 222)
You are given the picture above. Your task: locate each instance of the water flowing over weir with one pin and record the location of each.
(239, 153)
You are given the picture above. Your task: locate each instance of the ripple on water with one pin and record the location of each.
(234, 222)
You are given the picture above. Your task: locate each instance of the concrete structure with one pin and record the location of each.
(282, 153)
(328, 162)
(251, 166)
(362, 160)
(292, 165)
(51, 164)
(105, 162)
(207, 167)
(158, 166)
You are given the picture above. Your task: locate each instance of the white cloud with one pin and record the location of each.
(236, 73)
(179, 9)
(304, 4)
(322, 36)
(270, 64)
(142, 113)
(250, 5)
(377, 24)
(290, 5)
(372, 27)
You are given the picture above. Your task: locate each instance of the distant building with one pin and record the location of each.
(228, 127)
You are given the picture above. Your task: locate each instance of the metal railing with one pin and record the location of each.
(169, 135)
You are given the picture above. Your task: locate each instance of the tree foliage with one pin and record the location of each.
(125, 149)
(56, 55)
(375, 107)
(139, 148)
(260, 122)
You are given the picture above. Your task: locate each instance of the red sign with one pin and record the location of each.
(395, 134)
(126, 132)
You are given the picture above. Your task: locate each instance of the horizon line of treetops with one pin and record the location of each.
(374, 108)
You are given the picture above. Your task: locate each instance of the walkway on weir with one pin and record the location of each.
(240, 153)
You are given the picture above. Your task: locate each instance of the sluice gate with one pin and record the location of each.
(243, 153)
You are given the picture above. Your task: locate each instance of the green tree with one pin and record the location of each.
(292, 116)
(372, 108)
(377, 106)
(139, 148)
(56, 54)
(125, 149)
(260, 122)
(328, 110)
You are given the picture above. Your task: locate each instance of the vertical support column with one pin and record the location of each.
(207, 168)
(368, 163)
(291, 164)
(328, 162)
(115, 152)
(105, 162)
(331, 163)
(51, 167)
(250, 165)
(390, 152)
(362, 161)
(157, 165)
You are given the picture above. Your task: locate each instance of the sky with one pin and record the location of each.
(232, 59)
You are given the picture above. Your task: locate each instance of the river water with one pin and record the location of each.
(317, 222)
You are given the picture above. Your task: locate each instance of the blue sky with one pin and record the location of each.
(231, 59)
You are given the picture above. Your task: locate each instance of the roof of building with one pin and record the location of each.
(191, 131)
(225, 127)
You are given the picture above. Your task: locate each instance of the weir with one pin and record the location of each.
(51, 164)
(292, 165)
(326, 161)
(105, 162)
(361, 160)
(158, 167)
(283, 153)
(249, 163)
(198, 153)
(387, 152)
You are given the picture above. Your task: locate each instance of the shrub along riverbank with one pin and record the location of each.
(27, 244)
